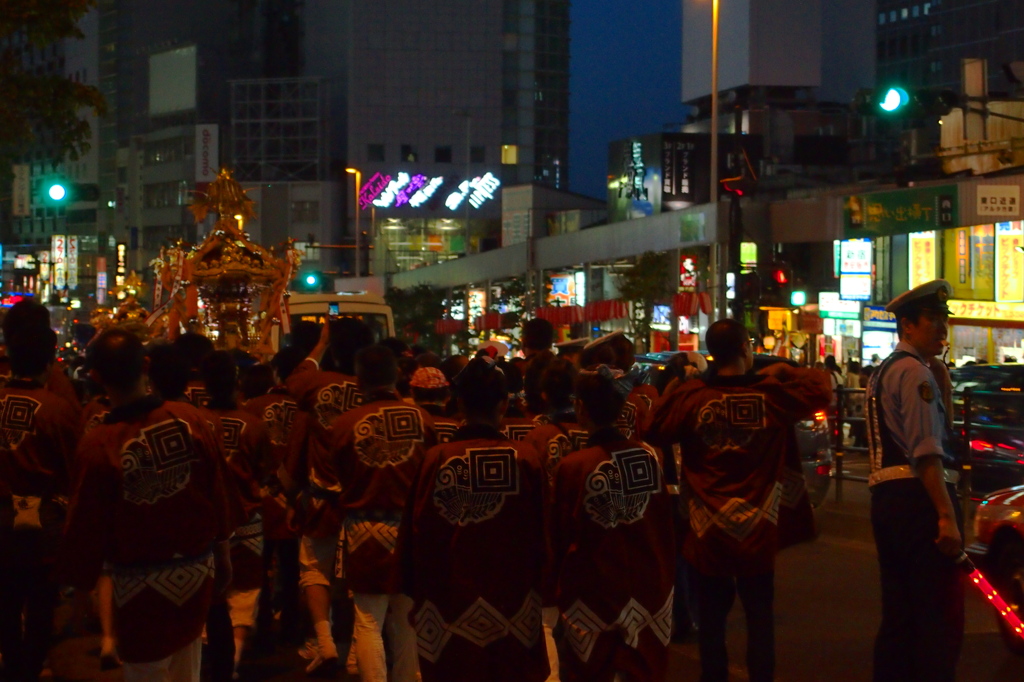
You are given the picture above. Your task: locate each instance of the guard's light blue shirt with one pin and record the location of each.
(917, 425)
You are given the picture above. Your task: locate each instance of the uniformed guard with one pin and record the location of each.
(916, 523)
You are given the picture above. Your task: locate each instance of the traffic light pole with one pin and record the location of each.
(735, 237)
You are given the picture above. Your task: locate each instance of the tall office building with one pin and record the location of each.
(924, 43)
(40, 228)
(819, 46)
(437, 103)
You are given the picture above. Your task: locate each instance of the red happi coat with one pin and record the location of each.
(647, 394)
(378, 448)
(246, 444)
(195, 392)
(734, 435)
(554, 437)
(324, 396)
(150, 504)
(94, 412)
(444, 426)
(632, 420)
(57, 383)
(517, 428)
(614, 551)
(277, 410)
(38, 437)
(473, 554)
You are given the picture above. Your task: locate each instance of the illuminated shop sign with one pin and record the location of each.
(372, 189)
(416, 189)
(855, 262)
(478, 190)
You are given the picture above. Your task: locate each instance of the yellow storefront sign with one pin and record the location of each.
(922, 258)
(987, 310)
(780, 320)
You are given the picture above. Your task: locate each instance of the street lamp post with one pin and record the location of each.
(358, 239)
(723, 249)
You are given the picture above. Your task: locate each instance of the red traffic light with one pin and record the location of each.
(780, 276)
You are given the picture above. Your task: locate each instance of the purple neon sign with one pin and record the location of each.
(372, 189)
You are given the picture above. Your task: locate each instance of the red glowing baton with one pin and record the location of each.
(964, 562)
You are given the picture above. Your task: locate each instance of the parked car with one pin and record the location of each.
(813, 436)
(996, 425)
(998, 550)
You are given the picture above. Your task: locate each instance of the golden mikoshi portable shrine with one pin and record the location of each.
(231, 289)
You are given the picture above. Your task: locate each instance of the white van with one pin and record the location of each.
(369, 308)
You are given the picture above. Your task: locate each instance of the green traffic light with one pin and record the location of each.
(57, 192)
(311, 280)
(895, 99)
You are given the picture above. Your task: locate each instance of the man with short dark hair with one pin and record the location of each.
(28, 314)
(152, 506)
(377, 449)
(38, 435)
(917, 526)
(537, 337)
(734, 429)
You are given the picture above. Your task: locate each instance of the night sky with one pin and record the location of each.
(625, 80)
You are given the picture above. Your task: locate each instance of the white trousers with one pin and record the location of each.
(549, 618)
(181, 666)
(374, 612)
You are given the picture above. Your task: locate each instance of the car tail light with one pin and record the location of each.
(823, 469)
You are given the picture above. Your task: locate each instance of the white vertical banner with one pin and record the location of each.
(207, 153)
(21, 202)
(72, 245)
(59, 251)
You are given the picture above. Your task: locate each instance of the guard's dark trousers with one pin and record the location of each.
(922, 591)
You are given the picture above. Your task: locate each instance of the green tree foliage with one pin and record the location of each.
(517, 296)
(646, 283)
(416, 310)
(41, 105)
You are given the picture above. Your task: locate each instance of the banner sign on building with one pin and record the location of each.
(915, 209)
(122, 264)
(922, 258)
(207, 153)
(59, 251)
(72, 246)
(101, 279)
(1009, 262)
(965, 311)
(855, 263)
(830, 305)
(21, 201)
(876, 319)
(999, 201)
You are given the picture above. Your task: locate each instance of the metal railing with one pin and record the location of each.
(839, 437)
(963, 423)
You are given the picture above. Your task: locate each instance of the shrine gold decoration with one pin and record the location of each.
(242, 286)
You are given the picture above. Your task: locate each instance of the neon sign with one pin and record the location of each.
(426, 193)
(372, 189)
(478, 191)
(388, 196)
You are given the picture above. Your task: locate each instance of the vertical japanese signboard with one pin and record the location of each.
(21, 203)
(1009, 262)
(922, 258)
(72, 246)
(59, 251)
